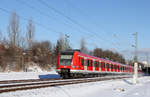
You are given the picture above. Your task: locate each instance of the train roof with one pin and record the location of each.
(96, 58)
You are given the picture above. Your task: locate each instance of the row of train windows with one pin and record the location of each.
(99, 64)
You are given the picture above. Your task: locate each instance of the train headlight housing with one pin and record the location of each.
(73, 66)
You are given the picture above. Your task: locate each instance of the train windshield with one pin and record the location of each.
(66, 60)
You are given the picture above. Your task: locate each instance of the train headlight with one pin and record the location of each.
(73, 66)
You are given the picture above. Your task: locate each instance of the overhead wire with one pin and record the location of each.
(72, 20)
(48, 15)
(45, 14)
(85, 14)
(42, 13)
(105, 32)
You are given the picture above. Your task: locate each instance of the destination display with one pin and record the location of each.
(66, 57)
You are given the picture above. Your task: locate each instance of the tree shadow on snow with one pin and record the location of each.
(49, 76)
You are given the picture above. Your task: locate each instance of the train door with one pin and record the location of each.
(112, 67)
(118, 68)
(107, 67)
(88, 64)
(115, 67)
(79, 64)
(130, 69)
(82, 63)
(91, 65)
(102, 66)
(96, 66)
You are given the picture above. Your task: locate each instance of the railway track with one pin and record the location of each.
(34, 84)
(27, 80)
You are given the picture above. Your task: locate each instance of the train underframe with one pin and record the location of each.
(66, 74)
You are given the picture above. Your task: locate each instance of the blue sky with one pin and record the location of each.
(108, 24)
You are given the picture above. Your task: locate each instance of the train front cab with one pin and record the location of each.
(64, 63)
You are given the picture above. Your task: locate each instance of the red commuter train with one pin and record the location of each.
(74, 64)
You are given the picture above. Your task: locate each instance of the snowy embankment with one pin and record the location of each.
(111, 88)
(28, 75)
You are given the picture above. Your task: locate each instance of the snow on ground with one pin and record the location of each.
(28, 75)
(111, 88)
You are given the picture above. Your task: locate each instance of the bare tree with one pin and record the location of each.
(30, 33)
(22, 42)
(98, 52)
(107, 54)
(43, 54)
(13, 29)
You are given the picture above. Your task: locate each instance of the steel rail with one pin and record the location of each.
(42, 84)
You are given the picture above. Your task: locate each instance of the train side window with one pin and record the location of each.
(111, 66)
(120, 68)
(82, 61)
(104, 65)
(88, 62)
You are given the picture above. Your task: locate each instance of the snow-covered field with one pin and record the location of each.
(111, 88)
(28, 75)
